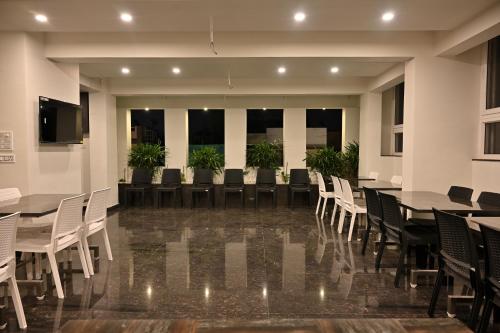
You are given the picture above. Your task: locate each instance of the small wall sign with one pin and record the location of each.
(7, 158)
(6, 140)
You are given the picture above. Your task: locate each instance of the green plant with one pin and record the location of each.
(326, 161)
(264, 155)
(207, 158)
(147, 156)
(350, 158)
(285, 176)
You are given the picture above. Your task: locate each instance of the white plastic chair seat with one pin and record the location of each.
(95, 227)
(42, 243)
(361, 203)
(3, 271)
(328, 195)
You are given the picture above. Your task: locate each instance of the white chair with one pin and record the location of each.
(9, 193)
(397, 180)
(373, 175)
(322, 194)
(350, 205)
(66, 232)
(95, 221)
(337, 192)
(8, 229)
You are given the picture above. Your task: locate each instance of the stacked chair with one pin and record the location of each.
(350, 205)
(323, 194)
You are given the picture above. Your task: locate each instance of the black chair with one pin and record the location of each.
(265, 183)
(460, 192)
(299, 183)
(141, 183)
(374, 218)
(402, 231)
(457, 257)
(203, 182)
(170, 183)
(488, 199)
(234, 183)
(491, 240)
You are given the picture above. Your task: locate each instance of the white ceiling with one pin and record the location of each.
(237, 15)
(247, 68)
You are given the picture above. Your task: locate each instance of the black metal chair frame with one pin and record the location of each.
(203, 183)
(374, 218)
(234, 183)
(265, 183)
(141, 183)
(299, 183)
(170, 183)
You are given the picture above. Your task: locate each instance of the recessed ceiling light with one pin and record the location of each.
(299, 16)
(176, 70)
(334, 69)
(146, 109)
(264, 109)
(323, 109)
(125, 70)
(41, 18)
(205, 109)
(388, 16)
(126, 17)
(281, 70)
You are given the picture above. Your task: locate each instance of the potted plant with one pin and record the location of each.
(350, 158)
(147, 156)
(326, 161)
(207, 158)
(264, 155)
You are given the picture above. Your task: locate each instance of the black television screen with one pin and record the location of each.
(60, 122)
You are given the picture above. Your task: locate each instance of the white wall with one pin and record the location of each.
(235, 134)
(350, 126)
(294, 137)
(176, 137)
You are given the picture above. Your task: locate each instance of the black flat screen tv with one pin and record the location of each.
(60, 122)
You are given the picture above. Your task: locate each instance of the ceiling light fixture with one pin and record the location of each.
(282, 70)
(146, 109)
(334, 69)
(126, 17)
(176, 70)
(264, 109)
(323, 109)
(299, 17)
(388, 16)
(41, 18)
(205, 109)
(125, 70)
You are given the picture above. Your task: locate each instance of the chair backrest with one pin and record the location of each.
(203, 177)
(299, 177)
(9, 193)
(8, 229)
(321, 182)
(373, 208)
(491, 239)
(346, 191)
(266, 177)
(393, 219)
(455, 241)
(233, 177)
(460, 192)
(142, 176)
(97, 206)
(489, 198)
(373, 175)
(171, 177)
(337, 187)
(68, 217)
(397, 180)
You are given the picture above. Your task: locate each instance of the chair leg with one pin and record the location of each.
(341, 220)
(18, 305)
(324, 207)
(380, 252)
(318, 205)
(366, 237)
(485, 318)
(107, 244)
(88, 257)
(85, 266)
(351, 226)
(55, 274)
(476, 307)
(435, 292)
(292, 195)
(401, 264)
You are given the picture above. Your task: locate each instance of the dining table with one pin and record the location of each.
(379, 185)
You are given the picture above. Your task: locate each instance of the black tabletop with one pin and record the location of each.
(34, 205)
(376, 185)
(424, 201)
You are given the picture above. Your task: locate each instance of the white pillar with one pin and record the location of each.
(350, 126)
(235, 138)
(294, 137)
(176, 137)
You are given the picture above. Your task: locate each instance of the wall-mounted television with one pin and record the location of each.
(60, 122)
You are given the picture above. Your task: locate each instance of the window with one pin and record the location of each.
(399, 99)
(147, 126)
(492, 138)
(265, 125)
(392, 120)
(493, 74)
(398, 142)
(324, 129)
(206, 128)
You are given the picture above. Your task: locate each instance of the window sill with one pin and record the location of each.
(486, 160)
(390, 155)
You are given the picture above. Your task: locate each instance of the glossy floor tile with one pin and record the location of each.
(226, 265)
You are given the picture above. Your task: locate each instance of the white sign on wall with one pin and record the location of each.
(6, 140)
(7, 158)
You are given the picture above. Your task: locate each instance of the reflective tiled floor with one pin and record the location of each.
(227, 264)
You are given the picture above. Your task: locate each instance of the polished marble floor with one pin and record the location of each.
(227, 265)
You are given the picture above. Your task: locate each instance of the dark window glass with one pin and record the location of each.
(492, 138)
(398, 142)
(84, 104)
(147, 126)
(324, 128)
(206, 128)
(265, 126)
(493, 74)
(399, 101)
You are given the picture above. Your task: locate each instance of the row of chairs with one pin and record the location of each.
(203, 184)
(453, 241)
(68, 230)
